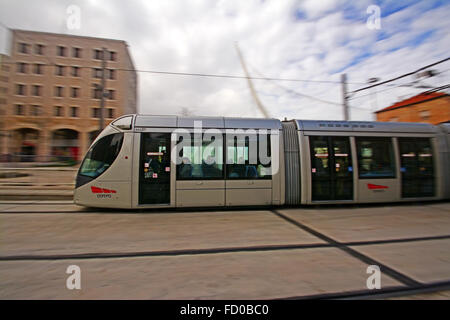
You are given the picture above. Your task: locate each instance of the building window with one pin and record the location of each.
(111, 74)
(111, 113)
(375, 157)
(20, 89)
(76, 52)
(75, 71)
(95, 112)
(37, 91)
(424, 115)
(74, 92)
(3, 90)
(98, 54)
(39, 68)
(59, 71)
(39, 49)
(112, 56)
(97, 93)
(97, 73)
(111, 94)
(19, 110)
(61, 51)
(21, 67)
(58, 111)
(74, 112)
(35, 110)
(23, 47)
(59, 91)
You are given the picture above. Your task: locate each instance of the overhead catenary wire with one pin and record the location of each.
(189, 73)
(274, 80)
(296, 92)
(402, 85)
(445, 86)
(308, 96)
(231, 76)
(401, 76)
(244, 77)
(382, 90)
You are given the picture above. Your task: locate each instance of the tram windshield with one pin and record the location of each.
(100, 157)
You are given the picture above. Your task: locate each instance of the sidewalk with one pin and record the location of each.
(35, 194)
(44, 183)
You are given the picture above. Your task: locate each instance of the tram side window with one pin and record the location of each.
(101, 156)
(320, 161)
(244, 159)
(425, 153)
(375, 157)
(201, 160)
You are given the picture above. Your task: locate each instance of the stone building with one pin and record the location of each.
(50, 96)
(429, 107)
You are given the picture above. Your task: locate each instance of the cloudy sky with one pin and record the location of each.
(309, 40)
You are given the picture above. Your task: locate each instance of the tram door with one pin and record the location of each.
(331, 168)
(417, 171)
(154, 168)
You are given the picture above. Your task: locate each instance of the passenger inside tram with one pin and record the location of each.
(185, 169)
(210, 169)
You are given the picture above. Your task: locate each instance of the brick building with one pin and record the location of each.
(49, 96)
(429, 107)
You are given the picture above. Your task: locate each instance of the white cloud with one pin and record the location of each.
(314, 8)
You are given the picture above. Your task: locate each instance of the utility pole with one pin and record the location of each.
(102, 87)
(344, 96)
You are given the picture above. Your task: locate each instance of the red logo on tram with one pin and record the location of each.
(101, 190)
(376, 186)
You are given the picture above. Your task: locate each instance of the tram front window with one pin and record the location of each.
(100, 157)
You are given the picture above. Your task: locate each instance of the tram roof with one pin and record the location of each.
(206, 122)
(365, 126)
(170, 121)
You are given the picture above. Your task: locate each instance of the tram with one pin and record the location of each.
(143, 161)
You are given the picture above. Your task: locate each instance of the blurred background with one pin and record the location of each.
(69, 67)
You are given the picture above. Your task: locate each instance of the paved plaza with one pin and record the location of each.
(225, 254)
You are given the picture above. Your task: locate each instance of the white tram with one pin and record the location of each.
(142, 161)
